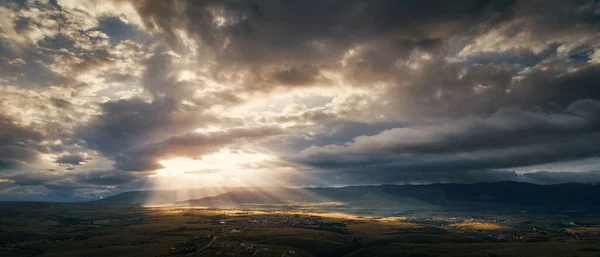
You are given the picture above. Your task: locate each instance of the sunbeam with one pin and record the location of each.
(214, 174)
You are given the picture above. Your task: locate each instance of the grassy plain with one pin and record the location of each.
(479, 226)
(51, 229)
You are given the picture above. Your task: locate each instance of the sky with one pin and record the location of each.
(99, 97)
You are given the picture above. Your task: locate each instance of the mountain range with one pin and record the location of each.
(477, 196)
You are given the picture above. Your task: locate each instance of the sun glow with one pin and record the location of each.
(226, 168)
(222, 161)
(217, 173)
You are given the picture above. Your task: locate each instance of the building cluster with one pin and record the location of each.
(243, 249)
(506, 237)
(454, 219)
(277, 223)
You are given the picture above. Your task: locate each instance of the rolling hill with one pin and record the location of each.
(163, 196)
(478, 196)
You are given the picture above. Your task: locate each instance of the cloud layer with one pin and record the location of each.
(96, 96)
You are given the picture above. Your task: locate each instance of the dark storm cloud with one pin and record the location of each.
(297, 76)
(29, 71)
(521, 57)
(135, 133)
(265, 36)
(72, 159)
(509, 138)
(65, 183)
(562, 88)
(259, 35)
(35, 179)
(159, 80)
(127, 123)
(18, 144)
(106, 177)
(550, 17)
(332, 131)
(191, 145)
(459, 89)
(60, 103)
(294, 76)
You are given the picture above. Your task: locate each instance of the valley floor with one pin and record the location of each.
(52, 229)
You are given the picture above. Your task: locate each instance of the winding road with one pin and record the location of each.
(205, 247)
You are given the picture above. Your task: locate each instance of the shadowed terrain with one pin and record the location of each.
(479, 196)
(64, 229)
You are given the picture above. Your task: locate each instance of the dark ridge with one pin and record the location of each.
(494, 195)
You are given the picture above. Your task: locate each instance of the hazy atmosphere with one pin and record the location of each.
(100, 97)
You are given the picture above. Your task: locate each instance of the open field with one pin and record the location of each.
(479, 226)
(50, 229)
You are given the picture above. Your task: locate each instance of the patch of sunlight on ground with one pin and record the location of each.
(479, 226)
